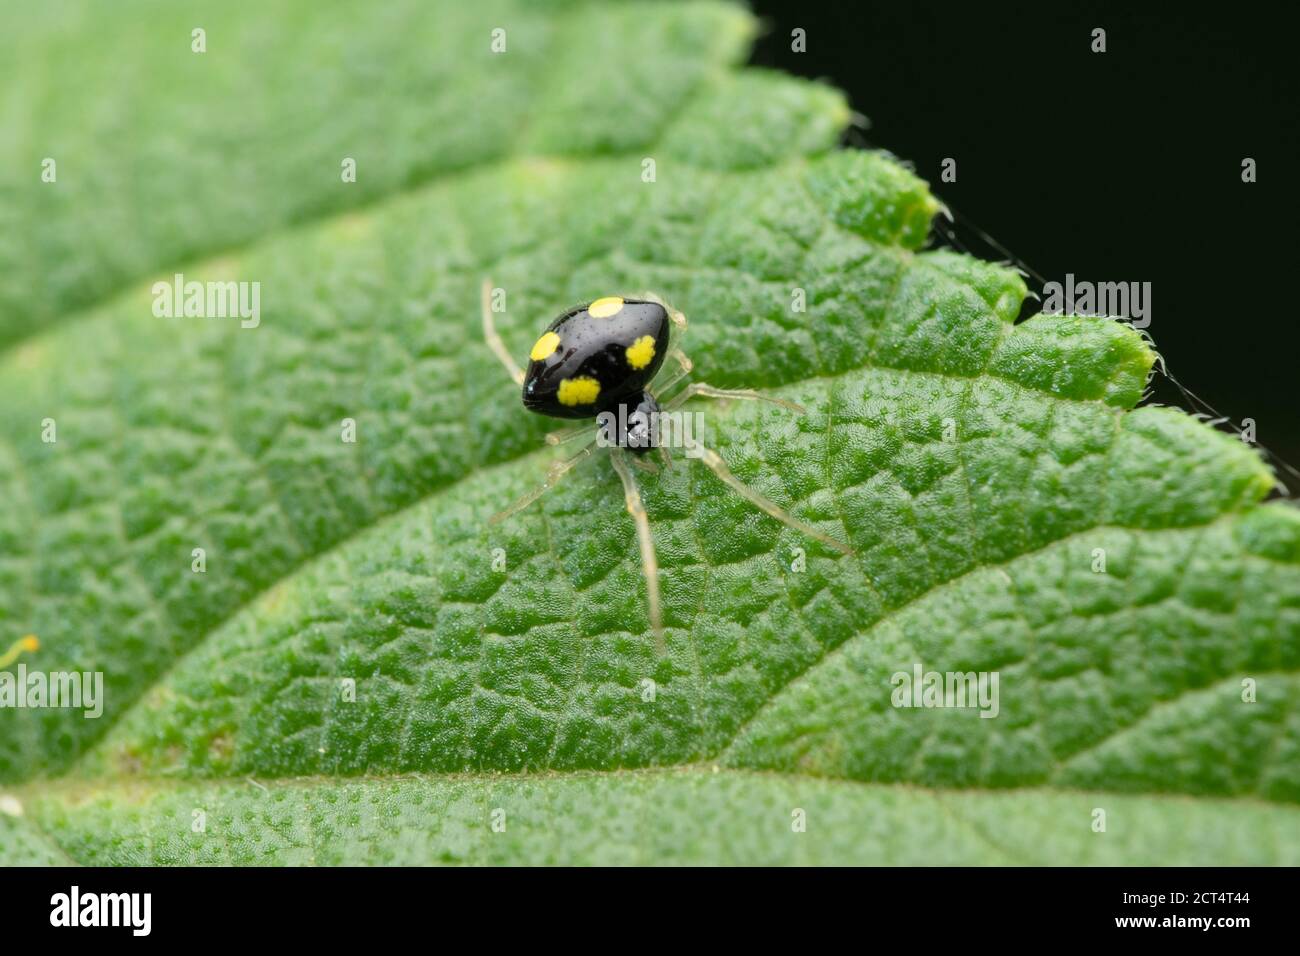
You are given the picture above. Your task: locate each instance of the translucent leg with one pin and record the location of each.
(568, 434)
(708, 391)
(553, 475)
(645, 464)
(676, 375)
(649, 562)
(493, 339)
(719, 468)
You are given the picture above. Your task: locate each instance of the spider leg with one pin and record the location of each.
(563, 435)
(649, 562)
(645, 464)
(719, 467)
(493, 339)
(676, 375)
(557, 471)
(708, 391)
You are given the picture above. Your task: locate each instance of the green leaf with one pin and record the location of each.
(695, 816)
(975, 465)
(23, 844)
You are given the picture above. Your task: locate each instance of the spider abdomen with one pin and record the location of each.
(595, 357)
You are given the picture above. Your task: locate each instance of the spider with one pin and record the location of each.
(601, 360)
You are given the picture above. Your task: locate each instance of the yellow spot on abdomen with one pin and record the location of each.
(604, 308)
(578, 391)
(545, 347)
(640, 352)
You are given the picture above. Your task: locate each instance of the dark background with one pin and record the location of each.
(1119, 166)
